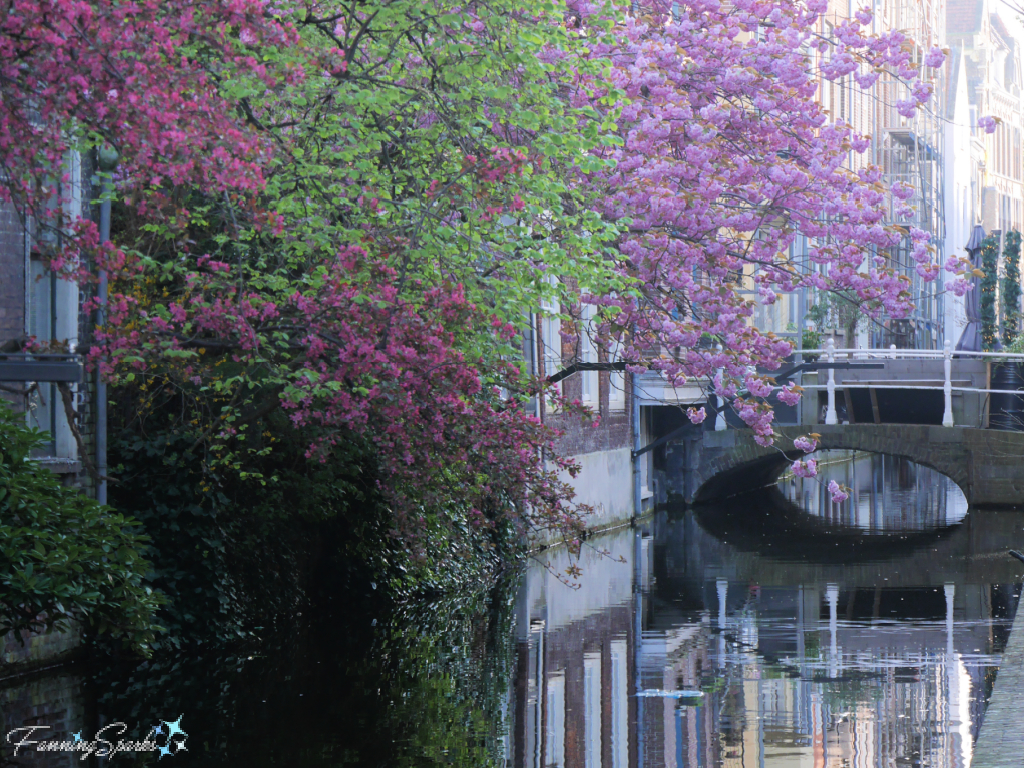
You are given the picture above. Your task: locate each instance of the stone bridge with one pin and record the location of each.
(987, 464)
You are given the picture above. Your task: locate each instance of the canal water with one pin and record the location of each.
(777, 628)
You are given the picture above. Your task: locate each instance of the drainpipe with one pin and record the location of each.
(635, 395)
(107, 162)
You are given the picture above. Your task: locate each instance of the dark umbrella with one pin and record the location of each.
(970, 339)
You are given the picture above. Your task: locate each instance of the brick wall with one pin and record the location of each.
(54, 701)
(33, 649)
(614, 430)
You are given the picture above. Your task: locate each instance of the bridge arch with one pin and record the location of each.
(988, 465)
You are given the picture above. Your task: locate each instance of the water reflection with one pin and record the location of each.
(889, 661)
(842, 650)
(887, 493)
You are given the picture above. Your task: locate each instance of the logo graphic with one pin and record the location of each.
(166, 737)
(171, 746)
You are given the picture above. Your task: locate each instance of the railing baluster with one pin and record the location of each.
(720, 416)
(947, 384)
(830, 413)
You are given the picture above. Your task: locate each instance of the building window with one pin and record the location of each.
(616, 379)
(551, 340)
(588, 354)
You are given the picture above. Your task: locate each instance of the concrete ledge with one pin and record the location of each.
(61, 466)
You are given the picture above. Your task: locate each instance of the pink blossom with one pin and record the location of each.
(805, 444)
(837, 492)
(696, 415)
(790, 394)
(934, 58)
(807, 468)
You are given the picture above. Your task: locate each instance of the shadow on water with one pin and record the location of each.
(768, 523)
(407, 686)
(751, 633)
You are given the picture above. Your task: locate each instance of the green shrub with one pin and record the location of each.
(63, 556)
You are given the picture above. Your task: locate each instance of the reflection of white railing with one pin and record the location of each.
(832, 355)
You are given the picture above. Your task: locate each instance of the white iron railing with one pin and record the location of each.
(831, 355)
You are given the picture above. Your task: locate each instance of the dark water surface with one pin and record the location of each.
(777, 629)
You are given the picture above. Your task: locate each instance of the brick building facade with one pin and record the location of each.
(603, 450)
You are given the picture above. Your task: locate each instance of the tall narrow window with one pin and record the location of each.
(588, 354)
(41, 321)
(551, 338)
(616, 379)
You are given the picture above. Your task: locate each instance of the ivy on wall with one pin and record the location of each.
(1011, 287)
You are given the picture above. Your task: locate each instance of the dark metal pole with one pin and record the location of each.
(635, 394)
(638, 639)
(107, 161)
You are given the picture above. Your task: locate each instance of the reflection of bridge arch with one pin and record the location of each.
(988, 465)
(974, 552)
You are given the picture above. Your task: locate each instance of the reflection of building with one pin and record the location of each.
(574, 701)
(797, 666)
(819, 675)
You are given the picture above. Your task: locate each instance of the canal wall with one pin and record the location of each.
(603, 451)
(55, 702)
(25, 651)
(1001, 740)
(605, 483)
(988, 465)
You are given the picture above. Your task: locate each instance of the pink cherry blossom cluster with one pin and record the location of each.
(726, 165)
(838, 493)
(806, 444)
(142, 77)
(808, 468)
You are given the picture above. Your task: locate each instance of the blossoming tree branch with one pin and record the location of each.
(338, 216)
(725, 160)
